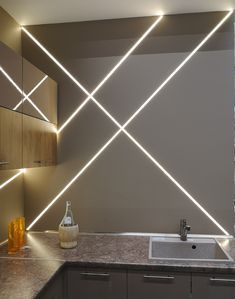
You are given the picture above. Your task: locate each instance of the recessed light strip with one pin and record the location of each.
(105, 78)
(23, 93)
(12, 178)
(31, 92)
(149, 99)
(11, 80)
(138, 144)
(180, 66)
(189, 196)
(3, 242)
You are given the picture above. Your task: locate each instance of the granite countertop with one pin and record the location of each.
(29, 270)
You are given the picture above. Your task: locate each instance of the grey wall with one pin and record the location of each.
(11, 197)
(188, 127)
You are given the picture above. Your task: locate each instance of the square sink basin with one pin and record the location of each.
(194, 249)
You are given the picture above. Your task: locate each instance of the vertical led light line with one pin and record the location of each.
(12, 178)
(90, 95)
(137, 143)
(23, 93)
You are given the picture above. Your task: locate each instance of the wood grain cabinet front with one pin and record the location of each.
(39, 142)
(10, 139)
(158, 285)
(96, 283)
(213, 286)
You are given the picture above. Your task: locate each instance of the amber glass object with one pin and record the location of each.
(16, 235)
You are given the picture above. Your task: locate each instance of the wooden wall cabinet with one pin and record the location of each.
(44, 95)
(39, 142)
(11, 65)
(27, 123)
(10, 139)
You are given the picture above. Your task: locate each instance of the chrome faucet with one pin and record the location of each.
(184, 229)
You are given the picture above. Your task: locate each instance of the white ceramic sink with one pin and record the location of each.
(194, 249)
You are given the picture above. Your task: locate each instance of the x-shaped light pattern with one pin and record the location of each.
(26, 96)
(122, 127)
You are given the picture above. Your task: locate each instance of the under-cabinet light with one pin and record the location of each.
(90, 95)
(122, 128)
(12, 178)
(23, 93)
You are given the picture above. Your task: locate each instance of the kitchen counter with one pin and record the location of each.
(25, 273)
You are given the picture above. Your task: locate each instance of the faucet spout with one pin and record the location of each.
(184, 229)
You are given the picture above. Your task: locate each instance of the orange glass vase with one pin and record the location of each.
(16, 235)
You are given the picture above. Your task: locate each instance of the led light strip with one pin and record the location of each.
(105, 78)
(3, 242)
(12, 178)
(24, 94)
(138, 144)
(31, 92)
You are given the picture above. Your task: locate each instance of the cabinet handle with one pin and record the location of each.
(152, 277)
(37, 161)
(3, 162)
(222, 280)
(93, 274)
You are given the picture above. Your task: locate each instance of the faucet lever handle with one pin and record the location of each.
(188, 228)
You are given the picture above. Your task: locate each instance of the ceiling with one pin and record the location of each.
(28, 12)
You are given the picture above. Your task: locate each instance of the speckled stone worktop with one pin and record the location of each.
(25, 273)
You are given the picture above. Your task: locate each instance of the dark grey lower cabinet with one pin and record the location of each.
(213, 286)
(54, 289)
(96, 283)
(158, 285)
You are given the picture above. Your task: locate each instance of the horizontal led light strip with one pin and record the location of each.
(31, 92)
(12, 178)
(24, 94)
(141, 147)
(105, 78)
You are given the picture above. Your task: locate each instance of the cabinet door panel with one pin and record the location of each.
(55, 289)
(213, 286)
(10, 139)
(11, 82)
(44, 96)
(158, 285)
(96, 283)
(39, 142)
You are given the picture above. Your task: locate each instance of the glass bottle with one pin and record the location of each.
(68, 230)
(68, 217)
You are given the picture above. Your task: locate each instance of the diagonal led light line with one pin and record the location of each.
(122, 128)
(31, 92)
(12, 178)
(179, 67)
(90, 95)
(22, 92)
